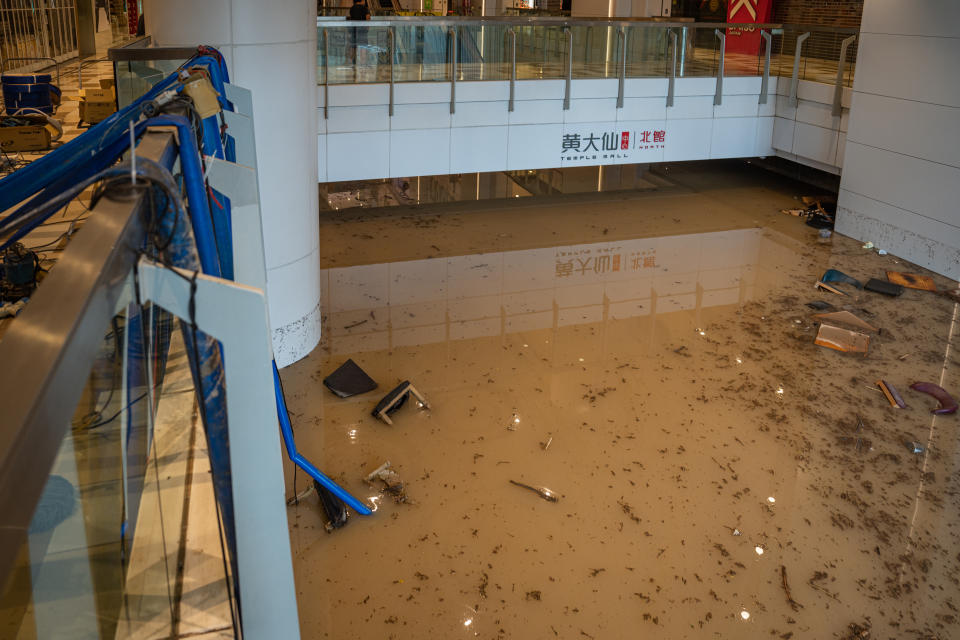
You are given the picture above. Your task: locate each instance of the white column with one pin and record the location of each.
(901, 162)
(271, 49)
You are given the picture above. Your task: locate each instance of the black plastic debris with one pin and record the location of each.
(820, 305)
(396, 399)
(349, 380)
(881, 286)
(832, 275)
(333, 507)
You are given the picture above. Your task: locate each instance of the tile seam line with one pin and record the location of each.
(908, 35)
(883, 95)
(890, 204)
(899, 153)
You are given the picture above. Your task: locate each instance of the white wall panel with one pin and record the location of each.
(740, 85)
(695, 87)
(688, 139)
(539, 89)
(691, 107)
(815, 143)
(478, 149)
(817, 113)
(359, 118)
(645, 87)
(737, 106)
(420, 116)
(420, 152)
(533, 146)
(594, 88)
(643, 109)
(764, 137)
(421, 92)
(482, 90)
(342, 95)
(733, 138)
(358, 156)
(479, 114)
(536, 112)
(914, 184)
(913, 128)
(905, 66)
(591, 110)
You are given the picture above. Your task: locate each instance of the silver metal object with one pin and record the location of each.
(795, 78)
(513, 66)
(567, 87)
(393, 53)
(764, 82)
(673, 69)
(718, 94)
(838, 86)
(453, 69)
(622, 39)
(326, 74)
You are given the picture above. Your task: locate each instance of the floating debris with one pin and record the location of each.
(825, 287)
(821, 305)
(847, 318)
(546, 445)
(392, 484)
(886, 288)
(947, 403)
(796, 606)
(543, 492)
(349, 380)
(893, 396)
(396, 399)
(842, 339)
(914, 447)
(832, 275)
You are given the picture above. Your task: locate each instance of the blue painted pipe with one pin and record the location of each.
(287, 430)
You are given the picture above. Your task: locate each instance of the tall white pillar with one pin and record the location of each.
(271, 49)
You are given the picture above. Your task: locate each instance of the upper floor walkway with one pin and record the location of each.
(423, 96)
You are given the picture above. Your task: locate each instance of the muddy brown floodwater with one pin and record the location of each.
(712, 481)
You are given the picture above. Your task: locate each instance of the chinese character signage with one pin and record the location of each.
(612, 145)
(586, 260)
(747, 39)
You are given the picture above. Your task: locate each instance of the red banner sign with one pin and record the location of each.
(747, 39)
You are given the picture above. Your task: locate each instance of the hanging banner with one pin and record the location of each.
(747, 39)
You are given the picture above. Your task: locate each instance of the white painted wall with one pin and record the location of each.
(270, 48)
(360, 140)
(901, 178)
(809, 133)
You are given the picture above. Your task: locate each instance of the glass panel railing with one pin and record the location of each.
(581, 48)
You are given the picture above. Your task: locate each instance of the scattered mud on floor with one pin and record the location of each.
(711, 479)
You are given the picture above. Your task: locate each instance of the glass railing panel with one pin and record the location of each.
(743, 53)
(541, 52)
(357, 54)
(136, 77)
(483, 51)
(649, 53)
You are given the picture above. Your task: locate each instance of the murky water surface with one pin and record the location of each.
(712, 481)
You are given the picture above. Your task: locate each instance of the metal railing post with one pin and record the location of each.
(393, 52)
(513, 67)
(453, 69)
(622, 39)
(795, 78)
(683, 51)
(673, 69)
(838, 87)
(766, 66)
(326, 75)
(718, 95)
(566, 91)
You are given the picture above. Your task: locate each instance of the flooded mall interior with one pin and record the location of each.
(513, 319)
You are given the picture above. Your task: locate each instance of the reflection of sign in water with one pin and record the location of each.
(609, 145)
(607, 260)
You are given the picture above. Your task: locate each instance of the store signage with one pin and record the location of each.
(610, 146)
(747, 39)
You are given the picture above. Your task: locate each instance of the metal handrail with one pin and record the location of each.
(718, 94)
(513, 67)
(569, 82)
(768, 38)
(326, 75)
(673, 69)
(795, 78)
(838, 87)
(622, 40)
(453, 69)
(393, 53)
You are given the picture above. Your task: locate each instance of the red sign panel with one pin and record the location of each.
(747, 39)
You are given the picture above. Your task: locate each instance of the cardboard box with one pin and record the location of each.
(97, 104)
(107, 83)
(33, 137)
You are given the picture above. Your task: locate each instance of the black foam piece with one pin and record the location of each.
(349, 380)
(402, 390)
(820, 305)
(884, 287)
